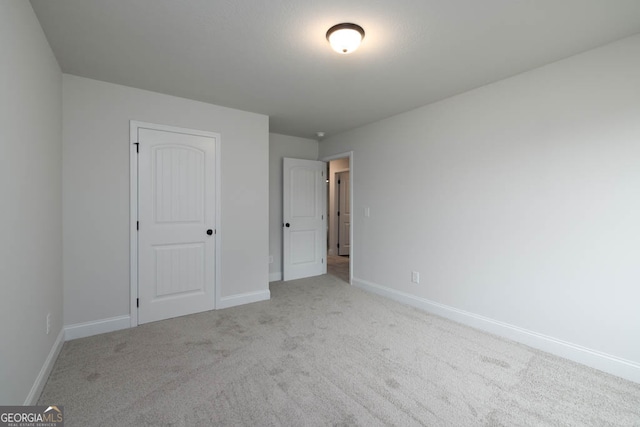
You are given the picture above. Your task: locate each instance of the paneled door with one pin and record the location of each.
(304, 218)
(176, 224)
(344, 214)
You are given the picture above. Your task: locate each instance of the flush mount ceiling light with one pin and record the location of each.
(345, 38)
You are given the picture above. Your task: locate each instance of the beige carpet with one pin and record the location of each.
(338, 266)
(324, 353)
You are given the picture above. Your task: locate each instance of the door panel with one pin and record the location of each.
(179, 195)
(304, 197)
(176, 256)
(303, 246)
(179, 269)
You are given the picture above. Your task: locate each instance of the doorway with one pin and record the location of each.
(340, 224)
(343, 209)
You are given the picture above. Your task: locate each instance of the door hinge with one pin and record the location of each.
(338, 182)
(323, 260)
(137, 225)
(137, 144)
(138, 302)
(338, 213)
(338, 245)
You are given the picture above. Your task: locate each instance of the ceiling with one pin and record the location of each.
(271, 57)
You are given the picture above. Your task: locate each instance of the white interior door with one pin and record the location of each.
(176, 214)
(304, 218)
(344, 214)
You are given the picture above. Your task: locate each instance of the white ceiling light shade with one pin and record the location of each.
(345, 38)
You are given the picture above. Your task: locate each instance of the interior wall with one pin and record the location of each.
(281, 146)
(338, 165)
(516, 202)
(96, 192)
(31, 193)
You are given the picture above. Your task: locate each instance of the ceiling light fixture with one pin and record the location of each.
(345, 38)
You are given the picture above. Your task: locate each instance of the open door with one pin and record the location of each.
(304, 218)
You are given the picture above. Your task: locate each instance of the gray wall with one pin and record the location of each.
(518, 203)
(281, 146)
(31, 194)
(96, 192)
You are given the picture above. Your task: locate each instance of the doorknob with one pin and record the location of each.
(209, 232)
(287, 225)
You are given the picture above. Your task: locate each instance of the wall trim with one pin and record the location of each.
(43, 375)
(623, 368)
(87, 329)
(274, 277)
(240, 299)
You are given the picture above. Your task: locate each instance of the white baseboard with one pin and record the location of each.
(604, 362)
(240, 299)
(43, 375)
(87, 329)
(274, 277)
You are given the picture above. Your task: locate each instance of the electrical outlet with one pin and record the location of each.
(415, 277)
(48, 323)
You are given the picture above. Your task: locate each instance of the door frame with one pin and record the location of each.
(134, 126)
(352, 248)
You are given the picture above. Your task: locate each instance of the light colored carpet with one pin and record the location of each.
(324, 353)
(338, 266)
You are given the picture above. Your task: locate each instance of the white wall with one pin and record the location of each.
(517, 202)
(96, 192)
(281, 146)
(31, 213)
(338, 165)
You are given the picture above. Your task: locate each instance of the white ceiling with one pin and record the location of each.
(271, 57)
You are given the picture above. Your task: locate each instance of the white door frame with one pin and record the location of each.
(352, 248)
(134, 125)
